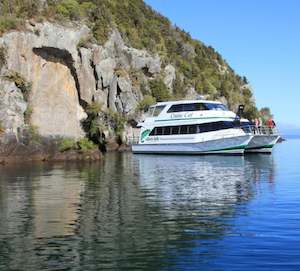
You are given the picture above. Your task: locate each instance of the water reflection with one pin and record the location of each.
(127, 212)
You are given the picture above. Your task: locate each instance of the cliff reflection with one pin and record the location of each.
(127, 212)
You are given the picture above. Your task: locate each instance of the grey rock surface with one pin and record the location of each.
(170, 76)
(12, 106)
(66, 78)
(86, 78)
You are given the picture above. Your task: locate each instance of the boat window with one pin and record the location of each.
(184, 129)
(167, 130)
(150, 111)
(203, 128)
(158, 110)
(159, 131)
(187, 107)
(175, 130)
(246, 123)
(219, 107)
(175, 108)
(192, 129)
(229, 124)
(200, 107)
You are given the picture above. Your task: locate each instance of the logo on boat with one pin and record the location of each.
(145, 134)
(181, 115)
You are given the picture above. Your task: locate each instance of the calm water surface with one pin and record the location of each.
(154, 213)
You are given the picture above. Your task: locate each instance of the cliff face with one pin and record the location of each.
(59, 79)
(64, 78)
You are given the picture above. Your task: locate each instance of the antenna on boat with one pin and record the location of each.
(239, 113)
(240, 110)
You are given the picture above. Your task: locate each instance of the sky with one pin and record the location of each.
(258, 38)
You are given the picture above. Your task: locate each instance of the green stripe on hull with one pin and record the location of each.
(240, 147)
(270, 146)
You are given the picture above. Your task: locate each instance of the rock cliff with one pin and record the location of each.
(64, 78)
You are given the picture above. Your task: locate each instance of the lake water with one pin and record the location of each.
(139, 212)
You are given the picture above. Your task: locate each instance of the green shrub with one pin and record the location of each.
(33, 133)
(67, 144)
(159, 90)
(85, 42)
(2, 129)
(93, 109)
(146, 103)
(27, 114)
(87, 9)
(86, 145)
(69, 9)
(101, 31)
(8, 23)
(116, 120)
(2, 57)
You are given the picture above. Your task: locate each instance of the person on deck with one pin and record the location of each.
(257, 124)
(260, 125)
(271, 125)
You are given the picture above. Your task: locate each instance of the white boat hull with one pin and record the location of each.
(262, 143)
(230, 145)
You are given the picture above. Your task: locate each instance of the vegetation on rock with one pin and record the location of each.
(159, 90)
(27, 114)
(83, 145)
(146, 103)
(2, 56)
(67, 144)
(20, 83)
(1, 127)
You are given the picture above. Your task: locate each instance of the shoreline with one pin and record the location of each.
(16, 149)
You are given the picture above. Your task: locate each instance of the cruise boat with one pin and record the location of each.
(264, 138)
(191, 127)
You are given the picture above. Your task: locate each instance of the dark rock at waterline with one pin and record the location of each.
(14, 149)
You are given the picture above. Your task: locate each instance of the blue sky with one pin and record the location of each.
(258, 38)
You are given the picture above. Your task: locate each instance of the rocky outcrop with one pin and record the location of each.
(15, 148)
(169, 76)
(12, 106)
(66, 77)
(46, 56)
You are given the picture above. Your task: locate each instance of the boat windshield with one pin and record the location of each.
(150, 111)
(154, 111)
(219, 107)
(158, 110)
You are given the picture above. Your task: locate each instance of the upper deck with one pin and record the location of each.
(187, 111)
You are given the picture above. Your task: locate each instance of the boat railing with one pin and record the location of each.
(133, 140)
(260, 130)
